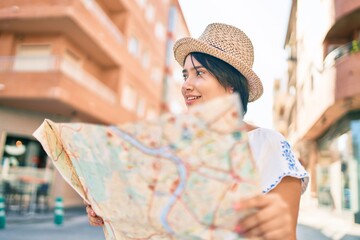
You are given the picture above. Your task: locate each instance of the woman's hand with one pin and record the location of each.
(276, 215)
(94, 220)
(271, 221)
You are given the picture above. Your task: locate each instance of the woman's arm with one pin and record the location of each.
(277, 213)
(290, 191)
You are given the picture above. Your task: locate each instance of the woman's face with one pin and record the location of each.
(199, 84)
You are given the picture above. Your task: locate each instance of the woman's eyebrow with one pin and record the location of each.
(192, 69)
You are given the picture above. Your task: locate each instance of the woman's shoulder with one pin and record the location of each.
(260, 133)
(264, 138)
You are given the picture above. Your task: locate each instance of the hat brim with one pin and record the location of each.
(185, 46)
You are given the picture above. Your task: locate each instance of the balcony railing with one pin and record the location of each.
(344, 50)
(95, 9)
(57, 63)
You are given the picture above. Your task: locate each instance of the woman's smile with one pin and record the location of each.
(191, 99)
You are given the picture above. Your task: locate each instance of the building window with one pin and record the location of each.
(33, 58)
(172, 19)
(145, 61)
(141, 107)
(128, 99)
(160, 31)
(150, 13)
(169, 52)
(156, 75)
(133, 46)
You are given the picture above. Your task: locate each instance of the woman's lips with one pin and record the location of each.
(191, 99)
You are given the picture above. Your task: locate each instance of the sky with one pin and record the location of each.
(265, 23)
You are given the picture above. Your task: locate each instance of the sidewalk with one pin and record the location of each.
(42, 227)
(333, 225)
(16, 218)
(314, 223)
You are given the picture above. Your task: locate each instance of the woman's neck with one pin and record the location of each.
(248, 127)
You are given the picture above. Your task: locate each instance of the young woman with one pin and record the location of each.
(220, 63)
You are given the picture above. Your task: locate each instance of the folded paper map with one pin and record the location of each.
(178, 177)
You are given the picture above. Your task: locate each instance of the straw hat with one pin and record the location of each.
(227, 43)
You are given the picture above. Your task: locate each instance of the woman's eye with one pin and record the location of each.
(185, 77)
(199, 73)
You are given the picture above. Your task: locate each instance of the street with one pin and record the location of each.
(77, 228)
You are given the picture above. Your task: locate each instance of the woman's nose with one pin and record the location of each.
(187, 85)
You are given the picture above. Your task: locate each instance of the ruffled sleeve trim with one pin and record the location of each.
(304, 177)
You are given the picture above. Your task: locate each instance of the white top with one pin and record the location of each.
(275, 159)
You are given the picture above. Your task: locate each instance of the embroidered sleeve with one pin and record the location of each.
(289, 156)
(276, 160)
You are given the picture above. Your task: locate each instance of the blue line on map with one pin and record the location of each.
(162, 152)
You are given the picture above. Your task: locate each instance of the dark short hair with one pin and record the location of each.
(226, 74)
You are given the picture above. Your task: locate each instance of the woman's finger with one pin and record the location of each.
(266, 222)
(257, 218)
(269, 212)
(96, 221)
(265, 228)
(90, 211)
(258, 201)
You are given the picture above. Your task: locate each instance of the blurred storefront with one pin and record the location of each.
(25, 172)
(338, 167)
(318, 106)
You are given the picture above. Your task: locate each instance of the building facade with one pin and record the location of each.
(321, 114)
(95, 61)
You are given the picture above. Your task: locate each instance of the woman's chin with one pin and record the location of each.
(193, 102)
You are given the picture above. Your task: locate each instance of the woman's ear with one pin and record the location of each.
(230, 89)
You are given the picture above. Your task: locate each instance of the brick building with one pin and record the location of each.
(96, 61)
(318, 106)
